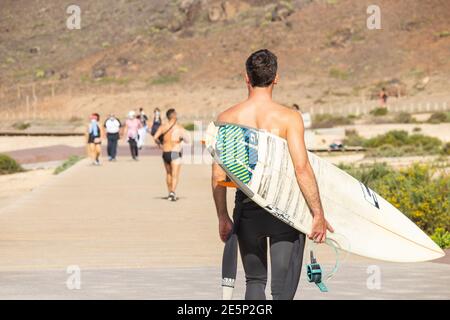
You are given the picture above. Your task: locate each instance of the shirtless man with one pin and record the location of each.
(169, 137)
(255, 225)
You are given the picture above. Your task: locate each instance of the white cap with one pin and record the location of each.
(131, 114)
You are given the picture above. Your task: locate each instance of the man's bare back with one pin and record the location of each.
(261, 114)
(174, 135)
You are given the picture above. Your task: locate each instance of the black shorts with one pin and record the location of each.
(91, 139)
(170, 156)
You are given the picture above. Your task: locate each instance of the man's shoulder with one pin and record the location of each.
(229, 114)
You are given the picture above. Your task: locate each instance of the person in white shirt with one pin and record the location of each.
(112, 126)
(143, 130)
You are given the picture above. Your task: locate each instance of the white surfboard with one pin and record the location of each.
(259, 163)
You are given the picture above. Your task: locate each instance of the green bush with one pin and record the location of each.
(379, 112)
(338, 73)
(189, 126)
(8, 165)
(404, 117)
(441, 237)
(352, 138)
(446, 149)
(67, 164)
(397, 143)
(367, 173)
(21, 125)
(443, 34)
(328, 121)
(417, 191)
(439, 117)
(167, 79)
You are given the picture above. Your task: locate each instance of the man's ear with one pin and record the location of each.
(247, 79)
(277, 78)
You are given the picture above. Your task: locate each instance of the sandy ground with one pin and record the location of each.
(14, 186)
(441, 131)
(20, 143)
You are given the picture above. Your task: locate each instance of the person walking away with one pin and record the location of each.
(306, 116)
(94, 139)
(131, 131)
(156, 121)
(252, 224)
(143, 130)
(112, 127)
(383, 98)
(169, 137)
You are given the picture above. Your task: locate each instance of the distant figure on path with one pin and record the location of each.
(143, 130)
(169, 137)
(156, 121)
(94, 139)
(383, 98)
(307, 121)
(131, 130)
(112, 126)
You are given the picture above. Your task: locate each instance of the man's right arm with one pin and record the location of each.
(305, 176)
(220, 200)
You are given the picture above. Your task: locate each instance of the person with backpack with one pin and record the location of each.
(94, 139)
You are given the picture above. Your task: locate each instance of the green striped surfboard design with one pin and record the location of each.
(233, 151)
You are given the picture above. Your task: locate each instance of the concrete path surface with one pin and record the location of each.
(112, 226)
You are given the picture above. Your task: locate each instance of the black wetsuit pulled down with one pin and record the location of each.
(253, 226)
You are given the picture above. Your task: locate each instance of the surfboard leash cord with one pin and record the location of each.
(314, 270)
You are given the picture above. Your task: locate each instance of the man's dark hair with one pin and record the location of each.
(261, 68)
(169, 113)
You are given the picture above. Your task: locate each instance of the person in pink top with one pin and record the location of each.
(131, 131)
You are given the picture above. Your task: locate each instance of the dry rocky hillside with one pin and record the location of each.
(189, 54)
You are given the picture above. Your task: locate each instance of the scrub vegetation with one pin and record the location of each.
(67, 164)
(439, 117)
(379, 112)
(8, 165)
(21, 125)
(328, 121)
(189, 126)
(421, 192)
(397, 143)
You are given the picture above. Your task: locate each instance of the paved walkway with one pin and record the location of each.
(113, 224)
